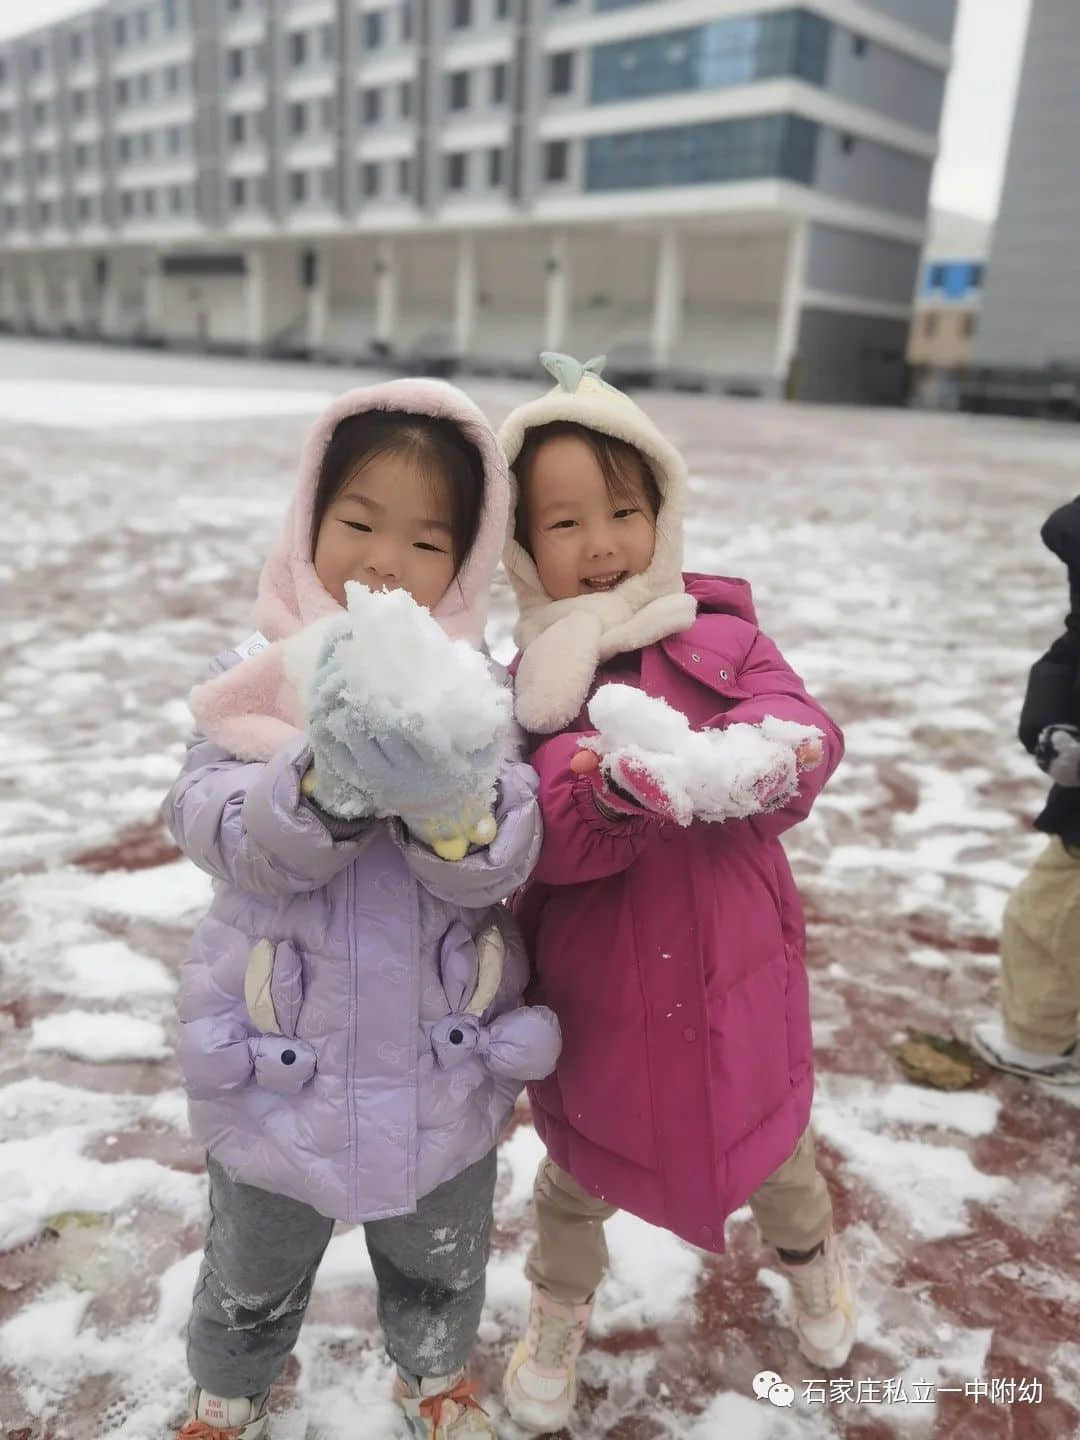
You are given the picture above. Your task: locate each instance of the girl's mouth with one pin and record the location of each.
(604, 582)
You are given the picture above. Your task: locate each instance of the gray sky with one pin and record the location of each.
(978, 105)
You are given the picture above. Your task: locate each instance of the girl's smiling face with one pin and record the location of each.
(390, 528)
(584, 539)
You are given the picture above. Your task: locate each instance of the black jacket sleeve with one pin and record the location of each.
(1051, 697)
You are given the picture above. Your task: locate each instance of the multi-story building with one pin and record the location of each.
(1031, 310)
(948, 301)
(727, 192)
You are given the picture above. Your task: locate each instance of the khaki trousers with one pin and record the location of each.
(568, 1260)
(1040, 954)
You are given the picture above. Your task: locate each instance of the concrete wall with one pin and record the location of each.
(871, 74)
(869, 267)
(851, 359)
(935, 17)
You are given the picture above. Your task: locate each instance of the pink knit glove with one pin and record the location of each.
(625, 785)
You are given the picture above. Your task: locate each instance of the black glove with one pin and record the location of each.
(1058, 753)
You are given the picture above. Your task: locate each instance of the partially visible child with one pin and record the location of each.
(1036, 1033)
(672, 952)
(351, 1037)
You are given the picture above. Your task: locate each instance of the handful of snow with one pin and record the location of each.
(648, 749)
(404, 720)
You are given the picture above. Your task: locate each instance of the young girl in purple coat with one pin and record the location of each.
(352, 1035)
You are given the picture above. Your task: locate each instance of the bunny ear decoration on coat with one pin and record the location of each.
(562, 642)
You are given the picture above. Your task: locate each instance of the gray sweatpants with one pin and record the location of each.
(262, 1253)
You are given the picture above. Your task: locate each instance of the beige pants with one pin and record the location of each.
(792, 1209)
(1040, 954)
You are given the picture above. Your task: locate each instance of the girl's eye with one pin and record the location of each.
(358, 525)
(631, 510)
(434, 549)
(563, 524)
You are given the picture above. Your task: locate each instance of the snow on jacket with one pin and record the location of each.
(674, 958)
(352, 1032)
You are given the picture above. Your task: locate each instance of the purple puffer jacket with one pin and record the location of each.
(351, 1026)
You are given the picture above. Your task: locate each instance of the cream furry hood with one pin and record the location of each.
(563, 641)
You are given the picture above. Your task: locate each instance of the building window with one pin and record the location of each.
(82, 157)
(929, 325)
(498, 84)
(236, 64)
(170, 15)
(75, 46)
(40, 113)
(456, 171)
(143, 85)
(45, 212)
(146, 144)
(297, 117)
(372, 106)
(406, 21)
(371, 178)
(176, 199)
(174, 139)
(328, 38)
(502, 9)
(79, 102)
(123, 149)
(298, 188)
(405, 99)
(373, 29)
(237, 129)
(459, 90)
(37, 60)
(859, 45)
(85, 209)
(327, 114)
(127, 203)
(749, 148)
(712, 56)
(556, 160)
(238, 192)
(298, 49)
(44, 162)
(976, 276)
(561, 73)
(847, 143)
(150, 201)
(461, 16)
(120, 32)
(937, 277)
(122, 92)
(495, 168)
(172, 79)
(404, 177)
(142, 25)
(969, 326)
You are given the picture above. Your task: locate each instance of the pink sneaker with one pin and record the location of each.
(540, 1385)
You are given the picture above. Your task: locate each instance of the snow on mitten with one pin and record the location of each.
(641, 742)
(1058, 753)
(629, 782)
(739, 772)
(807, 741)
(404, 721)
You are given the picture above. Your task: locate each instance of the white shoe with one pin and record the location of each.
(213, 1417)
(822, 1306)
(990, 1043)
(443, 1407)
(540, 1385)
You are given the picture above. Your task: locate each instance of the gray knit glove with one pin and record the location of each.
(1058, 753)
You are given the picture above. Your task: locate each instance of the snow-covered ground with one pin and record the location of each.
(895, 557)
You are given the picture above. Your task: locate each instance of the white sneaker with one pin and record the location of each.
(443, 1407)
(540, 1385)
(989, 1041)
(213, 1417)
(822, 1306)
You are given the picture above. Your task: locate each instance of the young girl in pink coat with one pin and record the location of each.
(664, 925)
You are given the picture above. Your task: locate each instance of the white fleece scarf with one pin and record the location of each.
(562, 642)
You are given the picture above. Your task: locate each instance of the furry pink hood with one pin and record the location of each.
(252, 710)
